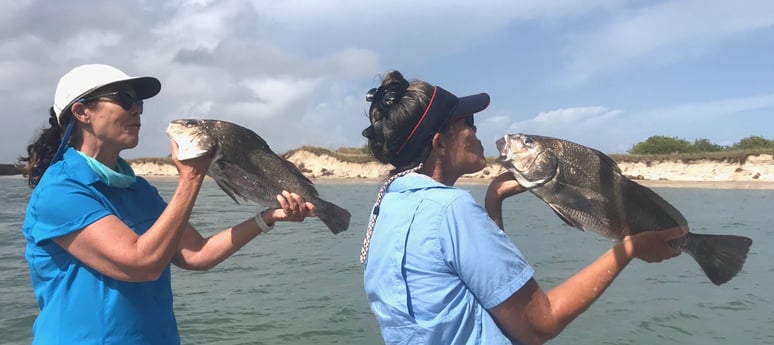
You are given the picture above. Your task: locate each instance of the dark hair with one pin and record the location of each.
(43, 148)
(396, 106)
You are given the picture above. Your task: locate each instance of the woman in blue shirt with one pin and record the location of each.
(99, 239)
(438, 268)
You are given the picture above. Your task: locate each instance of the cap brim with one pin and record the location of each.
(471, 104)
(145, 87)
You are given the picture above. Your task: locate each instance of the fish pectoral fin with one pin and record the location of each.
(245, 184)
(229, 189)
(574, 197)
(576, 207)
(567, 220)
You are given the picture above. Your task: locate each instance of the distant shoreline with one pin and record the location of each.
(8, 169)
(756, 171)
(755, 185)
(751, 185)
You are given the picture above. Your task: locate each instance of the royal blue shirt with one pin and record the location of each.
(436, 264)
(79, 305)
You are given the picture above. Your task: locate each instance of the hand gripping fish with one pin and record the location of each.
(587, 190)
(246, 168)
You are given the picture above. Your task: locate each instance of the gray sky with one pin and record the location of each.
(606, 74)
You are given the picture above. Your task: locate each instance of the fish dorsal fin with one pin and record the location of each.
(255, 137)
(605, 159)
(286, 164)
(671, 211)
(264, 147)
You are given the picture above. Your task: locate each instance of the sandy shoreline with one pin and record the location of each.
(708, 184)
(755, 185)
(757, 172)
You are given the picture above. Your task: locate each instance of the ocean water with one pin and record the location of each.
(300, 284)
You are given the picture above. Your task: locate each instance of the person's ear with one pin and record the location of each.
(439, 142)
(78, 110)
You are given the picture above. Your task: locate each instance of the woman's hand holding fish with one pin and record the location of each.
(293, 208)
(504, 186)
(190, 168)
(654, 246)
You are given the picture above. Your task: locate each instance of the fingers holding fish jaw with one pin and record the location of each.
(293, 208)
(189, 167)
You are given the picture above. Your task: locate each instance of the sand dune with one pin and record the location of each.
(756, 172)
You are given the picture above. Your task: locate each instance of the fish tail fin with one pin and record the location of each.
(334, 217)
(720, 256)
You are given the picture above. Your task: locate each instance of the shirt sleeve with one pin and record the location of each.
(63, 208)
(483, 256)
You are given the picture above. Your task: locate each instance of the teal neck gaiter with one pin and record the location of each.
(122, 178)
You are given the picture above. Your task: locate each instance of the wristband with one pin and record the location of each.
(262, 224)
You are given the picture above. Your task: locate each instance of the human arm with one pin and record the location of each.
(501, 187)
(199, 253)
(109, 246)
(534, 316)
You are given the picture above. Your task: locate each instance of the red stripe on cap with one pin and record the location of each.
(421, 119)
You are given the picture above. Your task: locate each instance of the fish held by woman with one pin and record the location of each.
(245, 167)
(587, 190)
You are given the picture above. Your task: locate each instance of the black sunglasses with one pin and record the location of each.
(123, 99)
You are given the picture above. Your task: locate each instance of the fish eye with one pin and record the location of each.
(189, 123)
(528, 141)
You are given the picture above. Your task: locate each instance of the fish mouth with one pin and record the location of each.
(504, 153)
(500, 143)
(502, 149)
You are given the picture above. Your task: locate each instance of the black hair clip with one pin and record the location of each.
(371, 94)
(373, 131)
(368, 132)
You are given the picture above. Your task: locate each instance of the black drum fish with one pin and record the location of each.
(587, 190)
(245, 168)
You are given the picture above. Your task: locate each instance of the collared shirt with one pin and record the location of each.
(436, 264)
(79, 305)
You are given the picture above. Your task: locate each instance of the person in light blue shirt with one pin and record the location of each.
(438, 267)
(100, 240)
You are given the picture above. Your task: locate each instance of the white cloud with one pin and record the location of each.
(661, 31)
(298, 70)
(575, 116)
(568, 122)
(706, 111)
(615, 131)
